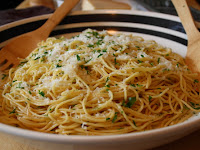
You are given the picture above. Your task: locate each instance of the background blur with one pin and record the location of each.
(163, 6)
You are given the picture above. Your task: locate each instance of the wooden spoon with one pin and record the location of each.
(23, 45)
(193, 50)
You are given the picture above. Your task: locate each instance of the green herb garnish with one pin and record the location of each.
(139, 61)
(37, 58)
(107, 118)
(41, 93)
(138, 48)
(123, 103)
(115, 117)
(4, 76)
(107, 85)
(13, 111)
(58, 66)
(158, 60)
(195, 106)
(107, 79)
(134, 123)
(104, 50)
(78, 57)
(131, 101)
(19, 86)
(150, 98)
(99, 55)
(151, 64)
(90, 45)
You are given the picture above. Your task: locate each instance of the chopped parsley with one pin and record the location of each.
(13, 111)
(107, 79)
(41, 93)
(90, 45)
(99, 55)
(99, 51)
(150, 98)
(86, 68)
(123, 103)
(151, 64)
(134, 123)
(195, 106)
(166, 69)
(158, 60)
(94, 33)
(88, 60)
(19, 86)
(78, 57)
(37, 58)
(139, 61)
(196, 81)
(142, 55)
(104, 50)
(82, 66)
(131, 101)
(107, 85)
(138, 48)
(29, 92)
(4, 76)
(99, 42)
(114, 48)
(58, 66)
(115, 59)
(23, 62)
(88, 36)
(134, 85)
(115, 117)
(107, 118)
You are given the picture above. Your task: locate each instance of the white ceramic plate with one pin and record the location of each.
(165, 29)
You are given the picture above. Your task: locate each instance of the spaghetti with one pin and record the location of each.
(99, 84)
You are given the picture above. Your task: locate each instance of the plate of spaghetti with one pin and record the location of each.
(115, 78)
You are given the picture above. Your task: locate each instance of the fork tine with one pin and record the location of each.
(5, 66)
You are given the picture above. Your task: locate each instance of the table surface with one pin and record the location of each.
(188, 142)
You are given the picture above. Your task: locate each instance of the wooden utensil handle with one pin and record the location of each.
(186, 18)
(58, 15)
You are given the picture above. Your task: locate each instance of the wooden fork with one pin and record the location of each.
(23, 45)
(193, 50)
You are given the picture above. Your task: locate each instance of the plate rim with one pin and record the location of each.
(106, 11)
